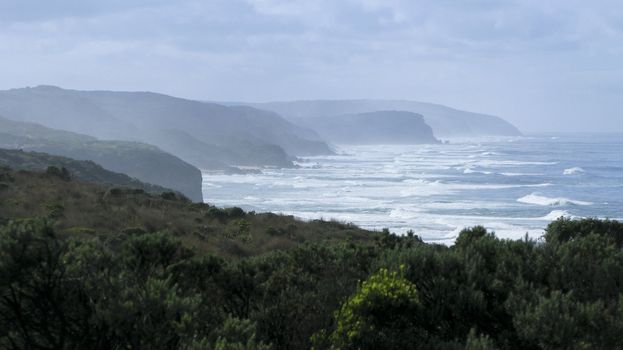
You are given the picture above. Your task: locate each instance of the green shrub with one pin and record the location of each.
(237, 334)
(235, 212)
(478, 342)
(134, 231)
(217, 213)
(62, 173)
(271, 231)
(168, 196)
(54, 210)
(381, 315)
(80, 230)
(566, 229)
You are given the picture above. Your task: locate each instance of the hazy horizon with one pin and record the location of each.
(555, 66)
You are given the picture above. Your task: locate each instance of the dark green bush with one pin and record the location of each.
(62, 173)
(235, 212)
(566, 229)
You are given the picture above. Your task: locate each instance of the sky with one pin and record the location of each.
(544, 65)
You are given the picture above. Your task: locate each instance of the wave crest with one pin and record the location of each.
(573, 171)
(537, 199)
(555, 215)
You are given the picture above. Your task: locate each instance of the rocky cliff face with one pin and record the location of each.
(382, 127)
(445, 121)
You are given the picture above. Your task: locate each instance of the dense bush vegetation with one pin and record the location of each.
(146, 290)
(136, 286)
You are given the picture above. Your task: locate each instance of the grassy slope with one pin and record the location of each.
(142, 161)
(81, 208)
(83, 170)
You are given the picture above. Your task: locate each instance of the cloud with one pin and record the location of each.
(37, 10)
(521, 59)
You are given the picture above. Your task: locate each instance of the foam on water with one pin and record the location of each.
(472, 171)
(437, 190)
(573, 171)
(521, 174)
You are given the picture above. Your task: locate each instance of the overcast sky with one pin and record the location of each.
(544, 65)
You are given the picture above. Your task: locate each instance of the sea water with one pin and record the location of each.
(513, 186)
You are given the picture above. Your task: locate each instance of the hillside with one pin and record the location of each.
(138, 160)
(249, 136)
(383, 127)
(445, 121)
(81, 170)
(80, 208)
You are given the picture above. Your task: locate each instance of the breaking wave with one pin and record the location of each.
(537, 199)
(573, 171)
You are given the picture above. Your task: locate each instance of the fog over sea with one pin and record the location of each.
(513, 186)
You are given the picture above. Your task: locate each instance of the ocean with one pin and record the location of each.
(513, 186)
